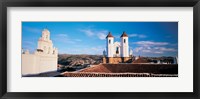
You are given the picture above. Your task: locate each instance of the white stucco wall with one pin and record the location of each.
(35, 64)
(109, 47)
(47, 47)
(29, 64)
(48, 63)
(125, 47)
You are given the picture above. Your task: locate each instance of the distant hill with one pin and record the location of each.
(74, 62)
(162, 59)
(154, 59)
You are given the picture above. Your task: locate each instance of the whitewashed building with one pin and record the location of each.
(44, 59)
(117, 52)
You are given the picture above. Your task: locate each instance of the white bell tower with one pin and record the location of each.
(109, 45)
(46, 35)
(45, 44)
(124, 45)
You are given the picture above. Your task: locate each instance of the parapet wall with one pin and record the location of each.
(115, 60)
(35, 64)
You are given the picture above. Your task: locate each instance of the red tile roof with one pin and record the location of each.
(109, 35)
(124, 34)
(132, 68)
(140, 60)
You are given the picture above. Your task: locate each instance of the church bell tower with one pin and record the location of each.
(124, 45)
(45, 44)
(109, 47)
(109, 43)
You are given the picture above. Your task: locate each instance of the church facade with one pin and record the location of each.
(44, 59)
(117, 52)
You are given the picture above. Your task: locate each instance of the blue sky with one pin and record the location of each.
(145, 38)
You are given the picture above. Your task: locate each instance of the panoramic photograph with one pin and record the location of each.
(99, 49)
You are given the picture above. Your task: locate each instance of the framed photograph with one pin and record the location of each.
(89, 49)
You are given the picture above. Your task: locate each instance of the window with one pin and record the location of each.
(124, 40)
(117, 50)
(109, 41)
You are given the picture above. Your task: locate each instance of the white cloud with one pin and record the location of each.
(133, 35)
(101, 34)
(165, 49)
(62, 35)
(88, 32)
(137, 35)
(155, 50)
(153, 47)
(32, 29)
(64, 38)
(146, 51)
(137, 49)
(150, 43)
(142, 36)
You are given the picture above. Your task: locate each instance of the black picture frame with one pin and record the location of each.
(99, 3)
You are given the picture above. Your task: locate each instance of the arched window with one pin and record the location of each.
(109, 41)
(117, 50)
(124, 40)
